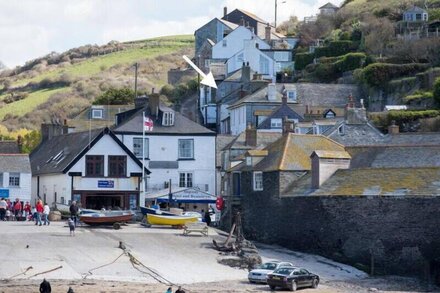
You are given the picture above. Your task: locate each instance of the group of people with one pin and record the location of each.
(19, 211)
(12, 211)
(179, 290)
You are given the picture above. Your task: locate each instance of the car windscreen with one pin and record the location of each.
(268, 266)
(283, 271)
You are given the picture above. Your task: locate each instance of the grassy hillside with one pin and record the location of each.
(60, 86)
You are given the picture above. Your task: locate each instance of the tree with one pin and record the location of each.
(309, 32)
(31, 141)
(114, 96)
(289, 27)
(378, 33)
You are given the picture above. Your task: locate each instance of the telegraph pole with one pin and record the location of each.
(136, 65)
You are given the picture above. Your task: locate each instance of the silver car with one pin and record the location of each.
(259, 275)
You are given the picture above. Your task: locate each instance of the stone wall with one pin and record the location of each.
(400, 235)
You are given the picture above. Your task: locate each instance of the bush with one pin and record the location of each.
(302, 60)
(114, 96)
(336, 48)
(379, 74)
(417, 97)
(167, 90)
(409, 116)
(436, 91)
(326, 72)
(351, 61)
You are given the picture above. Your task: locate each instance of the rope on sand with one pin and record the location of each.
(45, 272)
(101, 266)
(22, 273)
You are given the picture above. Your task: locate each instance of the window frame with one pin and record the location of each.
(168, 119)
(294, 99)
(187, 180)
(276, 123)
(94, 159)
(143, 145)
(101, 114)
(179, 151)
(15, 178)
(119, 161)
(257, 187)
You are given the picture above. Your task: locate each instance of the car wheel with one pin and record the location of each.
(293, 286)
(315, 283)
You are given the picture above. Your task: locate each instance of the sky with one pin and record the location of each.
(33, 28)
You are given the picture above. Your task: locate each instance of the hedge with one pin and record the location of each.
(302, 60)
(408, 116)
(418, 97)
(436, 91)
(336, 48)
(379, 74)
(351, 61)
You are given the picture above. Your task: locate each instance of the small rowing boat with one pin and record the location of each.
(170, 220)
(146, 211)
(103, 218)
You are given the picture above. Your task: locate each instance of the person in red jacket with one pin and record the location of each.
(40, 209)
(17, 209)
(27, 209)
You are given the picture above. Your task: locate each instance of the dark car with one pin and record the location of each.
(292, 278)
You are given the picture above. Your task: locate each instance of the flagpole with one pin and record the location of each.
(143, 157)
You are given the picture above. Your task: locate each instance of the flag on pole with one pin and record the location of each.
(148, 124)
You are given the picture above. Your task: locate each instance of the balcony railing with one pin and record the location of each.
(157, 187)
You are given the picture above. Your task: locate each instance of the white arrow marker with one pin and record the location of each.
(208, 79)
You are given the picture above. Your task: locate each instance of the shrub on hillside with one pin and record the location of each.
(326, 72)
(302, 60)
(436, 90)
(336, 48)
(417, 97)
(351, 61)
(115, 96)
(379, 74)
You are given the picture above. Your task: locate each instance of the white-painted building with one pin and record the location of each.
(15, 177)
(93, 167)
(177, 148)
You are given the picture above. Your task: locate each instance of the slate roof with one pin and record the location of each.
(221, 141)
(251, 15)
(383, 182)
(414, 138)
(15, 163)
(292, 153)
(229, 24)
(329, 5)
(60, 153)
(263, 140)
(395, 156)
(82, 121)
(356, 134)
(182, 125)
(415, 9)
(281, 112)
(313, 94)
(9, 147)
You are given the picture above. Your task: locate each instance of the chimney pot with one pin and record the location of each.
(225, 11)
(268, 32)
(393, 128)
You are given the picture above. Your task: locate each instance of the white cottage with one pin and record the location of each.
(15, 177)
(93, 167)
(177, 150)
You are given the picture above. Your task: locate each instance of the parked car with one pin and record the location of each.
(292, 278)
(259, 275)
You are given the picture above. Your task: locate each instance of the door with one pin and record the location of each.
(236, 188)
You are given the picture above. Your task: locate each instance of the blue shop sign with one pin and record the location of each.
(4, 193)
(106, 184)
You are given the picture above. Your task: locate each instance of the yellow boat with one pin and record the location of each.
(170, 220)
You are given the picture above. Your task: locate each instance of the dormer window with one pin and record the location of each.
(276, 123)
(97, 114)
(168, 119)
(291, 96)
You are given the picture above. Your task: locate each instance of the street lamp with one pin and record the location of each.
(276, 10)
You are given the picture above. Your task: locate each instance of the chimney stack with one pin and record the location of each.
(271, 92)
(268, 32)
(225, 11)
(153, 103)
(251, 135)
(288, 125)
(284, 98)
(326, 163)
(20, 143)
(245, 73)
(242, 23)
(50, 130)
(393, 128)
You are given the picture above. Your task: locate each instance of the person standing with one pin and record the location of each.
(180, 290)
(17, 209)
(207, 218)
(46, 211)
(45, 287)
(40, 210)
(3, 207)
(73, 211)
(71, 224)
(27, 209)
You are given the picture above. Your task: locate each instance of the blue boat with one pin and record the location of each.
(146, 211)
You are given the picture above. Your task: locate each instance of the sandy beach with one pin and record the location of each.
(93, 262)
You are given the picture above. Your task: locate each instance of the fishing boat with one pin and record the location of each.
(106, 218)
(152, 211)
(170, 220)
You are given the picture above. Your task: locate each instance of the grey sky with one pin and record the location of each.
(32, 28)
